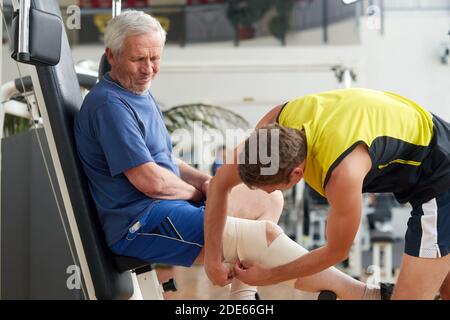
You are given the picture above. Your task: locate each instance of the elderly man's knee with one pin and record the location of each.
(278, 200)
(272, 232)
(272, 207)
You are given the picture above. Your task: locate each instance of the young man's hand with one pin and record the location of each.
(218, 273)
(253, 274)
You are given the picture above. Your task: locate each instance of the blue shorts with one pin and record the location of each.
(428, 234)
(172, 233)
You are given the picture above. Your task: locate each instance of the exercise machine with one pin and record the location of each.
(52, 242)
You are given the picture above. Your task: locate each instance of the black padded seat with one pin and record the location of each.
(381, 236)
(124, 263)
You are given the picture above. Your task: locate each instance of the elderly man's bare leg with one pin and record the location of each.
(254, 205)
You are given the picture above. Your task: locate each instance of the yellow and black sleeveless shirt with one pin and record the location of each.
(408, 145)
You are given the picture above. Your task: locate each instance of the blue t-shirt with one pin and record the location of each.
(116, 130)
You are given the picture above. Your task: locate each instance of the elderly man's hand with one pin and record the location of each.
(205, 187)
(253, 274)
(197, 196)
(218, 273)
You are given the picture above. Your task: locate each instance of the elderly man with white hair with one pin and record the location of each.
(151, 205)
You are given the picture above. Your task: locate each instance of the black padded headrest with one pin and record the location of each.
(44, 38)
(104, 66)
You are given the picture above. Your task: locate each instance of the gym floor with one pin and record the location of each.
(193, 283)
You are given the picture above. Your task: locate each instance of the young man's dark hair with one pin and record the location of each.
(291, 149)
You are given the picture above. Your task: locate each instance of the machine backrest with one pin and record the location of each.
(103, 66)
(63, 99)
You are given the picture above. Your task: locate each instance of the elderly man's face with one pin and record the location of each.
(138, 63)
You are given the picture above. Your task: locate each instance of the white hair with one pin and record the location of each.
(130, 23)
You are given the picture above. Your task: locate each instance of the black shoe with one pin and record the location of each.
(257, 297)
(327, 295)
(386, 290)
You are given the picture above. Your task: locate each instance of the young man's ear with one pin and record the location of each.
(297, 172)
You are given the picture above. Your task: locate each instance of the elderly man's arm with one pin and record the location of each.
(193, 176)
(160, 183)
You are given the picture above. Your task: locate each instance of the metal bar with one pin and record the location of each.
(15, 108)
(15, 4)
(347, 79)
(358, 14)
(2, 121)
(325, 20)
(24, 30)
(184, 36)
(255, 66)
(116, 7)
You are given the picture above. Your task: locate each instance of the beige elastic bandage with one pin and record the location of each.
(246, 240)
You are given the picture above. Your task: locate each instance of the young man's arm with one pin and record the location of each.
(226, 178)
(343, 192)
(160, 183)
(220, 186)
(270, 117)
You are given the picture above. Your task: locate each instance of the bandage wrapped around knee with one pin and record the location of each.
(246, 240)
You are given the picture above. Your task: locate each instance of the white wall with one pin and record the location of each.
(341, 33)
(254, 77)
(249, 81)
(406, 59)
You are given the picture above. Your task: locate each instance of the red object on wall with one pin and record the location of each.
(108, 3)
(190, 2)
(137, 3)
